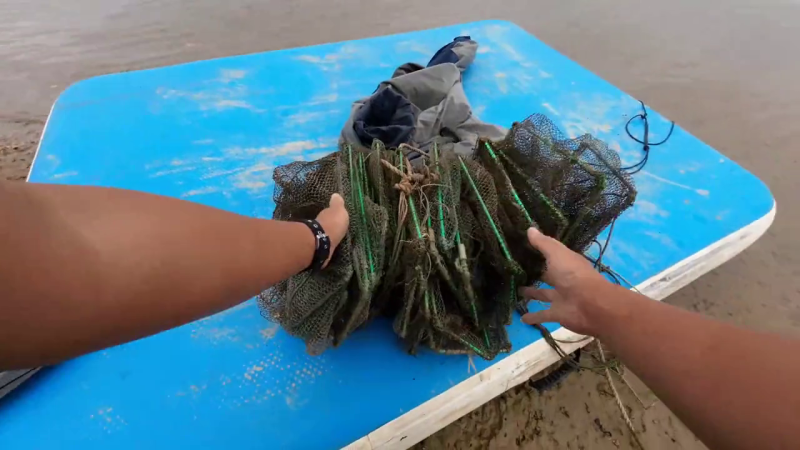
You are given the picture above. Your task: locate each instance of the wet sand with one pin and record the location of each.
(724, 70)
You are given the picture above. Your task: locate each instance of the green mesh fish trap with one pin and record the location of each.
(439, 243)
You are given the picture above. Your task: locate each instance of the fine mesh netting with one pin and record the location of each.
(439, 243)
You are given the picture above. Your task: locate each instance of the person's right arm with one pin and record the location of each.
(83, 267)
(733, 387)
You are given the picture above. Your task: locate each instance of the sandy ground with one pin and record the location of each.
(580, 414)
(723, 69)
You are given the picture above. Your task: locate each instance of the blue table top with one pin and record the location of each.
(212, 131)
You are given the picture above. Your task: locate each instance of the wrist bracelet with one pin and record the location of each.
(322, 247)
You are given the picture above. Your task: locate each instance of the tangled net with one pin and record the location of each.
(440, 244)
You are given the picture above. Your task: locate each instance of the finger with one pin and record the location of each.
(335, 221)
(539, 317)
(545, 244)
(542, 295)
(336, 201)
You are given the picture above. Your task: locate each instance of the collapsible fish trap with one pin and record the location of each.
(438, 241)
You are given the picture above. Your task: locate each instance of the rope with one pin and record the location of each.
(619, 400)
(646, 144)
(406, 186)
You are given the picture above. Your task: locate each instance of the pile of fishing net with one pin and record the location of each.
(437, 240)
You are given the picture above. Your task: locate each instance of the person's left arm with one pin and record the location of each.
(83, 268)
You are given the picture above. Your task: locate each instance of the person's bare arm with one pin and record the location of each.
(83, 268)
(734, 388)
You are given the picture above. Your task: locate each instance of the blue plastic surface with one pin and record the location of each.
(212, 131)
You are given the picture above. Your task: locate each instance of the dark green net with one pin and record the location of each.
(438, 241)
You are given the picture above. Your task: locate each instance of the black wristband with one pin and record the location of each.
(323, 244)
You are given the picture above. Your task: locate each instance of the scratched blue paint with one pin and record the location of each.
(212, 131)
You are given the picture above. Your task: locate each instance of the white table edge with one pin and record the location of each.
(445, 408)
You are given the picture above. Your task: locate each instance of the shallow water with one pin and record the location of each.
(725, 70)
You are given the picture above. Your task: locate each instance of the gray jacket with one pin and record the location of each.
(419, 105)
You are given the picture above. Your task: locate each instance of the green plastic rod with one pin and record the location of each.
(513, 191)
(497, 234)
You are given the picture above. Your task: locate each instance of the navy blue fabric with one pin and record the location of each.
(387, 116)
(446, 53)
